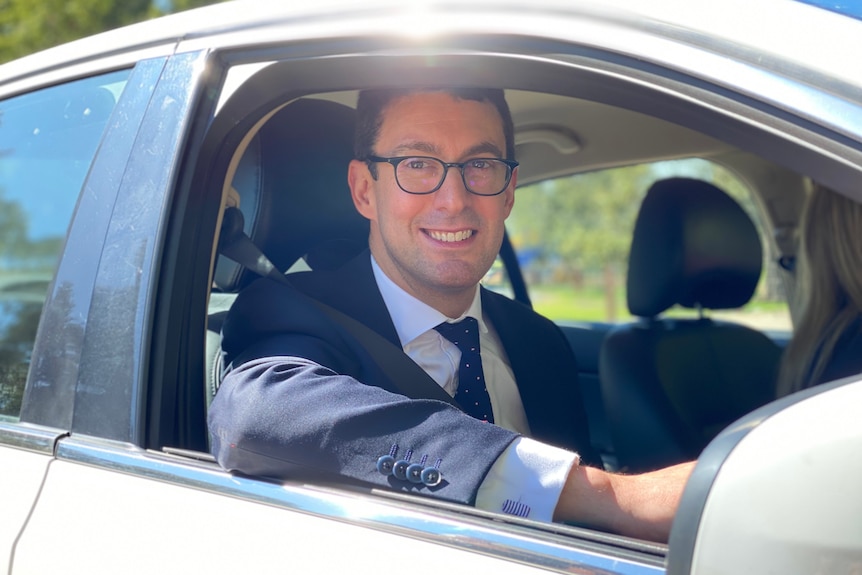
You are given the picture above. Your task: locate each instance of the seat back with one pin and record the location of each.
(295, 201)
(292, 185)
(670, 385)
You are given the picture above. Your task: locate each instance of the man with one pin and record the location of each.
(435, 179)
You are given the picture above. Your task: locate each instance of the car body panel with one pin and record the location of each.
(25, 453)
(22, 473)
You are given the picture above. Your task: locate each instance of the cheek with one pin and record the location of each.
(495, 214)
(400, 209)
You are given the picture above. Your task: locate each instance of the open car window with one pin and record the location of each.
(575, 266)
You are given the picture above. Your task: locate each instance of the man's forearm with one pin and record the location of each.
(641, 506)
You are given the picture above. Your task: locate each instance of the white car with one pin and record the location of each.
(122, 154)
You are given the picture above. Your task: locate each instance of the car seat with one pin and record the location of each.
(295, 202)
(670, 385)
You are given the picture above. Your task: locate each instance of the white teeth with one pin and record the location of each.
(451, 236)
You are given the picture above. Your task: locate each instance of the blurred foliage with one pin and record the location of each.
(28, 26)
(21, 292)
(603, 206)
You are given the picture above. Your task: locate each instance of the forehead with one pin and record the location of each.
(441, 121)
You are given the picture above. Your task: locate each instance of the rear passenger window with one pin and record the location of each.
(572, 236)
(48, 140)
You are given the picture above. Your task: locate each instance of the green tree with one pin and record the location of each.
(594, 236)
(180, 5)
(28, 26)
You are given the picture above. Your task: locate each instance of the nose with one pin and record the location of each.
(452, 195)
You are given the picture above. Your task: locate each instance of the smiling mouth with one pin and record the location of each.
(458, 236)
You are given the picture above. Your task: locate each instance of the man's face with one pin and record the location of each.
(437, 245)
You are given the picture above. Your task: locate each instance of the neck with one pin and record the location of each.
(451, 305)
(450, 301)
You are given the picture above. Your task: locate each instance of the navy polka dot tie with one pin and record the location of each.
(472, 394)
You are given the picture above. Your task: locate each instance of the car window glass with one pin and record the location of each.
(572, 236)
(48, 139)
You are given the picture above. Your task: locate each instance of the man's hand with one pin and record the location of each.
(641, 506)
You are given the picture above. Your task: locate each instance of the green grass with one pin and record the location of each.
(566, 303)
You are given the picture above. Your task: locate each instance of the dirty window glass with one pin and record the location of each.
(48, 139)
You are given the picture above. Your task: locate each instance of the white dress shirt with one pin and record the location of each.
(527, 478)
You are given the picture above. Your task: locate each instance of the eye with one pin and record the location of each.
(481, 164)
(417, 163)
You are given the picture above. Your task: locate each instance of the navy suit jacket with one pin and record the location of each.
(302, 395)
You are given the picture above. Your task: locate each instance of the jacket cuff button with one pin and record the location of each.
(414, 473)
(431, 476)
(385, 463)
(399, 470)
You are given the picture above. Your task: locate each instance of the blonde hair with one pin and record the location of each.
(829, 285)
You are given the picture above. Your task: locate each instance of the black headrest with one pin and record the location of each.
(693, 245)
(292, 183)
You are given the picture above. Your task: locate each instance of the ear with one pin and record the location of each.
(361, 188)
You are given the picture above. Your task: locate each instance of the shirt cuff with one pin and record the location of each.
(526, 480)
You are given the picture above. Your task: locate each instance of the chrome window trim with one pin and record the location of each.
(35, 438)
(511, 542)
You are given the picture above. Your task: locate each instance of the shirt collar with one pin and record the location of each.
(413, 317)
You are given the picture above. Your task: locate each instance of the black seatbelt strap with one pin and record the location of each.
(410, 379)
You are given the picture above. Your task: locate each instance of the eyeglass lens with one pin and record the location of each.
(484, 176)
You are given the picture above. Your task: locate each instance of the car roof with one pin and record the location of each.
(768, 28)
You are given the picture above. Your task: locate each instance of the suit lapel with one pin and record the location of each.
(519, 350)
(534, 370)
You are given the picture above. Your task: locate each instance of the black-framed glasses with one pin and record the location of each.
(424, 175)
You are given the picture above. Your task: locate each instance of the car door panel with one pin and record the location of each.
(101, 499)
(22, 472)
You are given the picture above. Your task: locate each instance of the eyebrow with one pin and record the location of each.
(428, 148)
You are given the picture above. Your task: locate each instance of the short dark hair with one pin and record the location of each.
(372, 103)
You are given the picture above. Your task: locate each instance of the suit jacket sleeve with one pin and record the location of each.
(303, 397)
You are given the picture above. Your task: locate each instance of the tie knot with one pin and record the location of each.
(464, 334)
